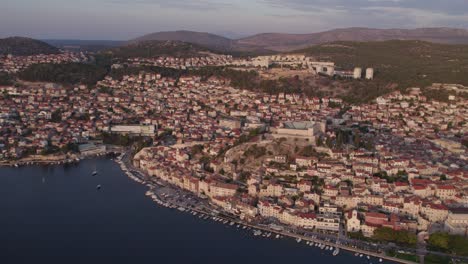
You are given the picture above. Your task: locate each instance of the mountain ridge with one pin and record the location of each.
(287, 42)
(21, 46)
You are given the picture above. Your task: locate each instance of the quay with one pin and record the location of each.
(183, 208)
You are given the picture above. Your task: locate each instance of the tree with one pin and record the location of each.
(439, 241)
(56, 116)
(357, 139)
(398, 236)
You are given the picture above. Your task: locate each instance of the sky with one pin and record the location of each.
(127, 19)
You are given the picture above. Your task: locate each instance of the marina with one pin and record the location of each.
(161, 199)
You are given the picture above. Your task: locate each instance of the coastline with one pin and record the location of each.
(59, 159)
(216, 215)
(125, 164)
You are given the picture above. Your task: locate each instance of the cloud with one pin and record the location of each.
(379, 13)
(188, 5)
(418, 17)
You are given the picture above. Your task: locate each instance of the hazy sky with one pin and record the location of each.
(125, 19)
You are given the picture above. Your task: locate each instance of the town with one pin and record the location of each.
(311, 163)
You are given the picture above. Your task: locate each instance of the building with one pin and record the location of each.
(135, 130)
(457, 221)
(91, 149)
(369, 73)
(306, 130)
(357, 73)
(223, 189)
(353, 224)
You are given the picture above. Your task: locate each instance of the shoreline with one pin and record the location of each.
(56, 160)
(216, 215)
(120, 159)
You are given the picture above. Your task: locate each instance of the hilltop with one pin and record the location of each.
(20, 46)
(152, 48)
(268, 42)
(83, 45)
(287, 42)
(203, 39)
(406, 63)
(208, 40)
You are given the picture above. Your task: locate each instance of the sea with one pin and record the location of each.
(55, 214)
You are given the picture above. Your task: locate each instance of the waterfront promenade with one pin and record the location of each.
(207, 209)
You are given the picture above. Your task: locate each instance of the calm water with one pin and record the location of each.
(55, 214)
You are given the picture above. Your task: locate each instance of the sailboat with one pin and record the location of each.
(95, 172)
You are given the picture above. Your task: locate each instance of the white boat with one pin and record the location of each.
(277, 236)
(336, 251)
(94, 173)
(326, 247)
(380, 260)
(360, 255)
(357, 254)
(298, 240)
(368, 257)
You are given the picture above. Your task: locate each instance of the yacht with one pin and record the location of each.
(336, 251)
(94, 173)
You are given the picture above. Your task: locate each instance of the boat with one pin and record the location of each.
(368, 257)
(98, 187)
(360, 255)
(298, 240)
(380, 260)
(336, 251)
(326, 248)
(357, 254)
(94, 173)
(277, 236)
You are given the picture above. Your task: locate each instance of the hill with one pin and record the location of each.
(83, 45)
(25, 46)
(208, 40)
(287, 42)
(402, 63)
(152, 48)
(66, 73)
(267, 42)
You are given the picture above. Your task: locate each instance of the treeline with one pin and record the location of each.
(68, 73)
(453, 244)
(6, 79)
(401, 237)
(406, 63)
(154, 48)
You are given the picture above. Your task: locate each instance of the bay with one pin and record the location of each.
(55, 214)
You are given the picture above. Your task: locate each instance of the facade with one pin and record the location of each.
(140, 130)
(306, 130)
(353, 224)
(457, 221)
